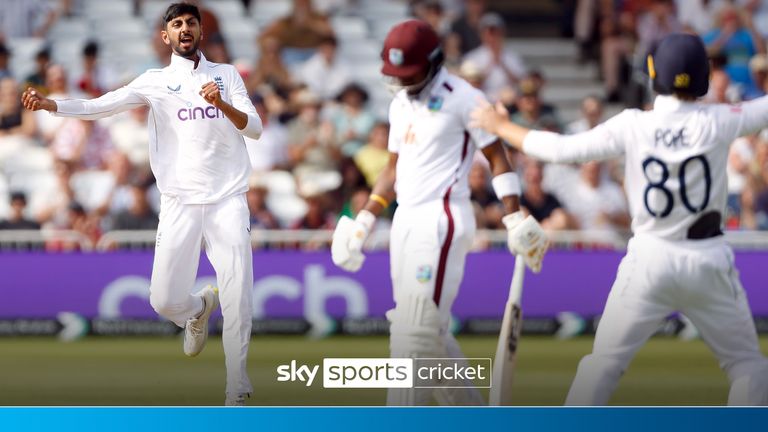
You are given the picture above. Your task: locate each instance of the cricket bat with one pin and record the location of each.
(506, 350)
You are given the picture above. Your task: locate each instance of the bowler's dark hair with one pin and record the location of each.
(176, 10)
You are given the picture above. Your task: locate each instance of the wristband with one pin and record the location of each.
(506, 184)
(379, 199)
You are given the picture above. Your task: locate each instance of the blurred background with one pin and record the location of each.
(78, 202)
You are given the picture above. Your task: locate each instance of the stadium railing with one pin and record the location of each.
(62, 240)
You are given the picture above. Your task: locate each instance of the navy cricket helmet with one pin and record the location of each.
(679, 64)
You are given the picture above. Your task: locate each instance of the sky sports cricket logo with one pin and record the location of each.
(391, 372)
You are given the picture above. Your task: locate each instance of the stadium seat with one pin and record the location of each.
(28, 159)
(376, 10)
(347, 27)
(40, 188)
(359, 50)
(280, 182)
(240, 30)
(68, 28)
(266, 11)
(226, 10)
(107, 10)
(124, 28)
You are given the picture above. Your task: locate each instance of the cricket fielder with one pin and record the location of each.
(675, 180)
(199, 113)
(431, 147)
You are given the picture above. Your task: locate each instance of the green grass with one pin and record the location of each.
(153, 371)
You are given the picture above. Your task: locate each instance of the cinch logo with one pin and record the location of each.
(195, 113)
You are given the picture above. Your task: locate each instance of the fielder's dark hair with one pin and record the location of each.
(176, 10)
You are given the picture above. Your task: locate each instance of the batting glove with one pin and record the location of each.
(348, 239)
(525, 237)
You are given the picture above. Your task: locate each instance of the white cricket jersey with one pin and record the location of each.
(433, 140)
(676, 157)
(196, 153)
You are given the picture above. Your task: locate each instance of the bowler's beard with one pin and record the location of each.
(188, 53)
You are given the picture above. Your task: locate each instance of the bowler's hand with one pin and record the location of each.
(210, 92)
(489, 117)
(34, 101)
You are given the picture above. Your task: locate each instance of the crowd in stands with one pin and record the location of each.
(325, 129)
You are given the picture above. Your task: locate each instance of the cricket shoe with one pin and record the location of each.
(237, 399)
(196, 330)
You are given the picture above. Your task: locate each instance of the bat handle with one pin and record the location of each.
(516, 286)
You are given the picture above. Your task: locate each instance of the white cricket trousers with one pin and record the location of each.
(222, 228)
(656, 278)
(428, 247)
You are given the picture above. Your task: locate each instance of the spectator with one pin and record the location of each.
(740, 154)
(37, 78)
(466, 28)
(758, 66)
(482, 195)
(54, 211)
(300, 33)
(84, 143)
(216, 49)
(595, 203)
(97, 79)
(14, 119)
(374, 156)
(351, 120)
(58, 88)
(324, 73)
(617, 31)
(529, 110)
(130, 136)
(472, 74)
(270, 151)
(270, 69)
(261, 216)
(737, 41)
(120, 197)
(697, 16)
(25, 19)
(431, 11)
(318, 216)
(17, 220)
(720, 88)
(543, 206)
(502, 67)
(311, 146)
(139, 215)
(655, 24)
(5, 58)
(591, 116)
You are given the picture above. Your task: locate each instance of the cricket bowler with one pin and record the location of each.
(677, 260)
(199, 113)
(431, 147)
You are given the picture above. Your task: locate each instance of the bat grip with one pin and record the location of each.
(516, 286)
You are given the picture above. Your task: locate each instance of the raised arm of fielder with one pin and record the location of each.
(603, 141)
(241, 112)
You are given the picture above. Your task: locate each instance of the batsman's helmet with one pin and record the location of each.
(410, 48)
(679, 65)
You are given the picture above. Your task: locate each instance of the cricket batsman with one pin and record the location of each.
(431, 147)
(678, 260)
(199, 113)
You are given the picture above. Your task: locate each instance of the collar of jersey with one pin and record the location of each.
(426, 92)
(666, 103)
(185, 65)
